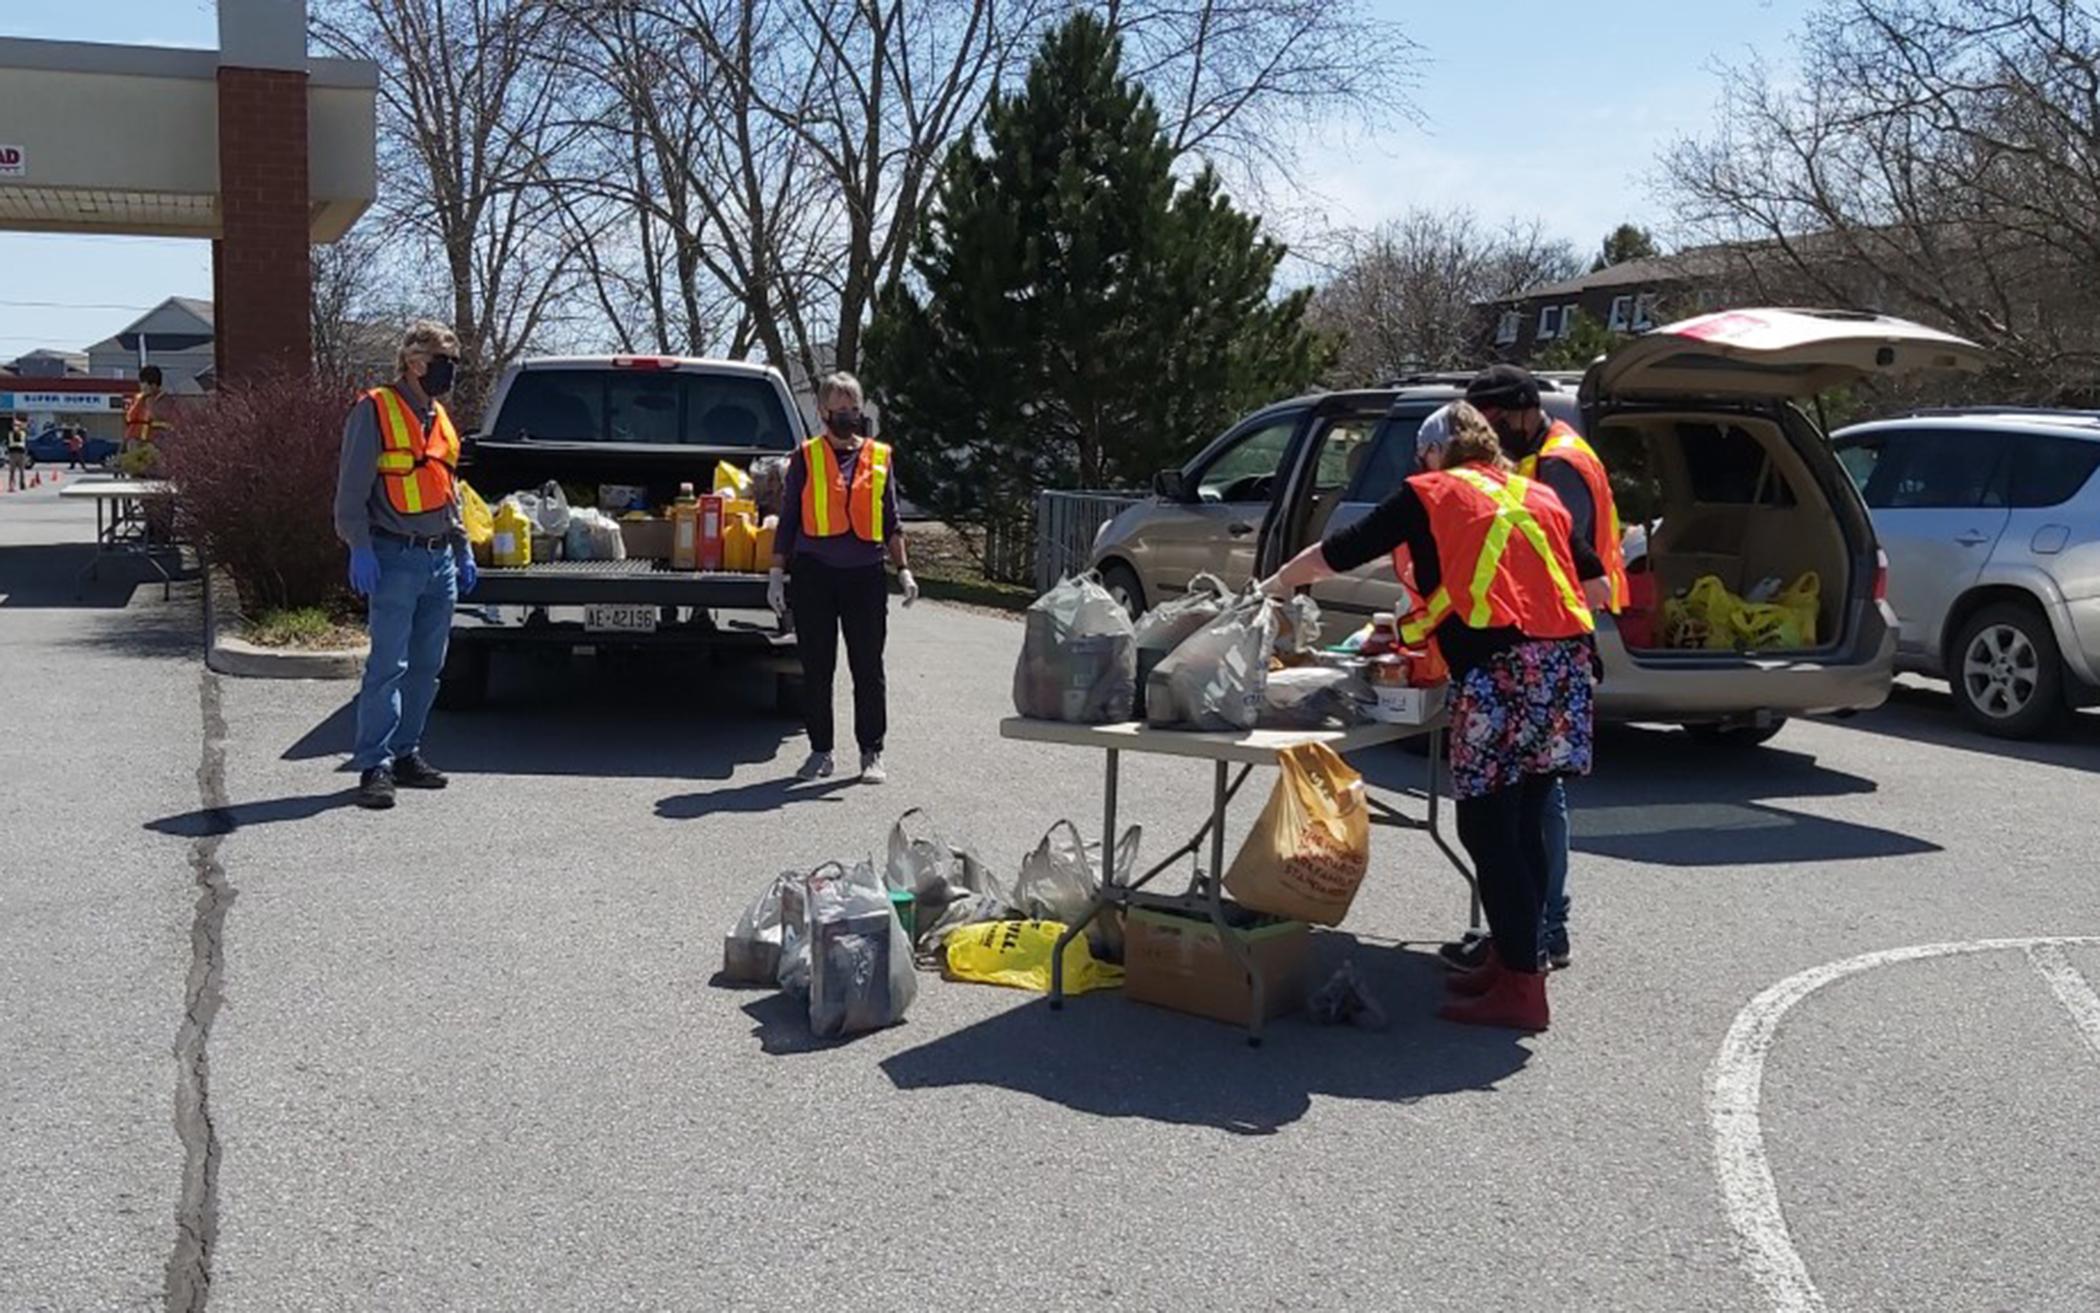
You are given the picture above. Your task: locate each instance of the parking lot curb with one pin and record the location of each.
(228, 654)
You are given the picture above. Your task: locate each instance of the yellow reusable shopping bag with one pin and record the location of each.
(1017, 954)
(1311, 845)
(475, 515)
(732, 479)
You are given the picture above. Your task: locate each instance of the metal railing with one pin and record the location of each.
(1065, 525)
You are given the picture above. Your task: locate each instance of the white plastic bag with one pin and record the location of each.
(1217, 678)
(1314, 697)
(953, 887)
(751, 950)
(550, 515)
(1078, 657)
(860, 971)
(593, 536)
(1163, 628)
(1057, 883)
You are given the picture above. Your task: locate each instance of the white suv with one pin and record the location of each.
(1991, 522)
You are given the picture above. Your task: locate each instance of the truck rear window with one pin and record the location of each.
(667, 407)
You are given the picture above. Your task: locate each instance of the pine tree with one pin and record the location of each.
(1075, 317)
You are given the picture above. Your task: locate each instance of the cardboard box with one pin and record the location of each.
(647, 539)
(1176, 961)
(1407, 706)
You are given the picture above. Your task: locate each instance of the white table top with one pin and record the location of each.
(118, 489)
(1256, 746)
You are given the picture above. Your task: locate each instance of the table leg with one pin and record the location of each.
(1108, 877)
(1220, 797)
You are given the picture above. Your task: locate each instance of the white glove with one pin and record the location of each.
(909, 585)
(1273, 586)
(776, 590)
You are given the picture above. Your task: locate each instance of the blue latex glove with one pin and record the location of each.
(364, 571)
(469, 574)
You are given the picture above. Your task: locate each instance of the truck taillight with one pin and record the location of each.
(1881, 575)
(640, 362)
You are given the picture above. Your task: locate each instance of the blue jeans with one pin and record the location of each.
(410, 620)
(1553, 926)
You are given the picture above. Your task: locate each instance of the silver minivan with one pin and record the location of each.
(1741, 484)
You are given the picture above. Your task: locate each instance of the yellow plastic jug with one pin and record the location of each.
(762, 547)
(739, 544)
(510, 546)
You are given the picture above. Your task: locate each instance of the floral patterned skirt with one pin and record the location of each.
(1528, 710)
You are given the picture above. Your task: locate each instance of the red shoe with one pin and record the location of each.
(1476, 981)
(1517, 999)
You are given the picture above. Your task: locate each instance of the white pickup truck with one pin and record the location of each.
(652, 422)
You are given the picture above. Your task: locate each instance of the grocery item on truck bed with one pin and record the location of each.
(645, 537)
(510, 536)
(478, 521)
(768, 483)
(594, 536)
(619, 498)
(1078, 656)
(731, 480)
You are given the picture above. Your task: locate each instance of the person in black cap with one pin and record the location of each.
(1556, 455)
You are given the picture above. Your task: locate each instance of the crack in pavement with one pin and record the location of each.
(188, 1284)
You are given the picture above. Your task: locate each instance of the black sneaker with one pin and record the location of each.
(375, 789)
(412, 772)
(1557, 954)
(1467, 953)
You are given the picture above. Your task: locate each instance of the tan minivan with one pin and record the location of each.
(1743, 484)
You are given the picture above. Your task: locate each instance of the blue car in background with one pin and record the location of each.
(49, 447)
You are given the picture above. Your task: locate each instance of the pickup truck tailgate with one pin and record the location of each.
(651, 582)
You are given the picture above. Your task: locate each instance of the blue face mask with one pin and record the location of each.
(437, 376)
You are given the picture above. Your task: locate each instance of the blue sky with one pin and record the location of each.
(1554, 108)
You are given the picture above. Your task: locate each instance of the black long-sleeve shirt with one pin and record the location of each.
(1401, 519)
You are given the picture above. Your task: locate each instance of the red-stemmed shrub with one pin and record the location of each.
(254, 467)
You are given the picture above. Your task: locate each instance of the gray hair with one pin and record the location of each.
(426, 338)
(840, 382)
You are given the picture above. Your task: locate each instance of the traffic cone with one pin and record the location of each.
(36, 480)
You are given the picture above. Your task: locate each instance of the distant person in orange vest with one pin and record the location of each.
(1552, 452)
(397, 510)
(145, 415)
(17, 455)
(837, 521)
(1495, 555)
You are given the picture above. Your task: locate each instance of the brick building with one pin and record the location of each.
(255, 146)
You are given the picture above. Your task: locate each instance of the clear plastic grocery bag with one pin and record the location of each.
(751, 950)
(1058, 883)
(1164, 627)
(1078, 657)
(1217, 678)
(860, 969)
(1315, 697)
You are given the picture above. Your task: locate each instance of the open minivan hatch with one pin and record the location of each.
(1742, 485)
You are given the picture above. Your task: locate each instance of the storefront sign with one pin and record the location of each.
(60, 403)
(13, 162)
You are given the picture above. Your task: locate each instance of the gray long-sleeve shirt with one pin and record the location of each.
(360, 498)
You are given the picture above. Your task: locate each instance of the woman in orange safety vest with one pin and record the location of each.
(838, 520)
(1494, 557)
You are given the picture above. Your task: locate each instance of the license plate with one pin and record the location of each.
(628, 619)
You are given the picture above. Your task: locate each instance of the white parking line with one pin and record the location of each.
(1736, 1092)
(2072, 990)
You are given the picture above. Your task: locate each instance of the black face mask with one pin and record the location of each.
(843, 423)
(437, 378)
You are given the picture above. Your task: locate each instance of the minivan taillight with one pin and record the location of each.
(1881, 575)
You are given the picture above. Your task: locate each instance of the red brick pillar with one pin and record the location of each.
(262, 266)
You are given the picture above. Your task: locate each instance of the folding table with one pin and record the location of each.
(1247, 749)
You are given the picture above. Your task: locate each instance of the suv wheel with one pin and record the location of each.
(2007, 673)
(1122, 584)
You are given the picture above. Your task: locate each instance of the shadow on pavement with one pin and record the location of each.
(1927, 714)
(757, 796)
(49, 576)
(210, 821)
(1661, 797)
(696, 723)
(1109, 1057)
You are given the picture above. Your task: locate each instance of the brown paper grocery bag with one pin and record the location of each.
(1312, 844)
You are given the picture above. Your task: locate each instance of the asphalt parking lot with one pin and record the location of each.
(466, 1055)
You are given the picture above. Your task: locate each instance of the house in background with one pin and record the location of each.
(46, 363)
(178, 335)
(1630, 297)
